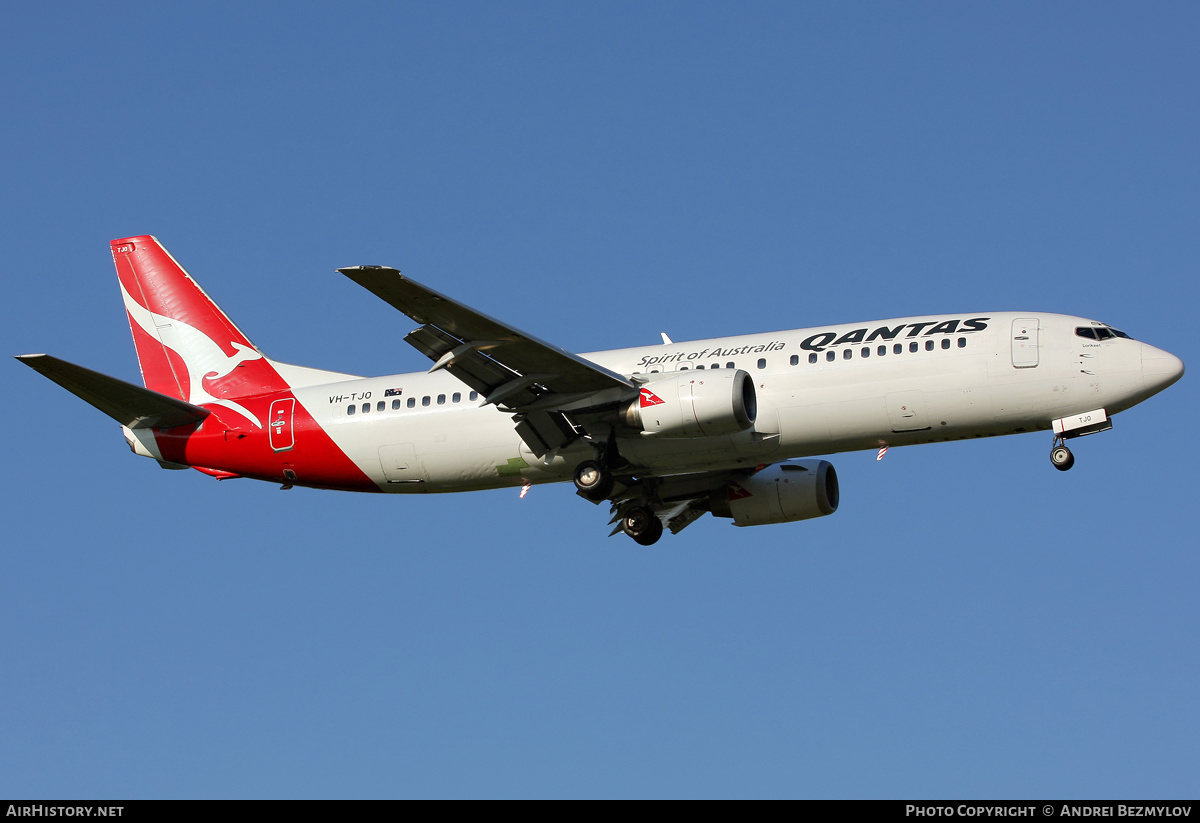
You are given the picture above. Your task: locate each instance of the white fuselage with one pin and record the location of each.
(819, 391)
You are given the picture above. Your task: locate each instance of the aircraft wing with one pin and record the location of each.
(508, 367)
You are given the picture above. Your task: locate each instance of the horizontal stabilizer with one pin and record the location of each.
(126, 403)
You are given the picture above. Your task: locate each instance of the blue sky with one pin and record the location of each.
(970, 623)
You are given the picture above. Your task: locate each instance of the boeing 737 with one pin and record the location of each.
(663, 433)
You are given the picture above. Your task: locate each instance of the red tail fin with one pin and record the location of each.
(186, 346)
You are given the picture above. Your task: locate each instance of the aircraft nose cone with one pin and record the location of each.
(1159, 368)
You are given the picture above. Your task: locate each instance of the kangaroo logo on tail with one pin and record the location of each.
(203, 357)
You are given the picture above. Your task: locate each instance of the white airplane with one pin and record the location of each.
(665, 432)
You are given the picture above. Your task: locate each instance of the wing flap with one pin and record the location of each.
(545, 432)
(129, 405)
(478, 371)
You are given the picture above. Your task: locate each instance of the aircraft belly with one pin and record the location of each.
(849, 421)
(450, 469)
(831, 421)
(892, 413)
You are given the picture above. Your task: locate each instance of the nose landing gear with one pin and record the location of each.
(1092, 422)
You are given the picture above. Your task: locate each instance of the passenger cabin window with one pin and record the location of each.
(396, 404)
(945, 342)
(380, 406)
(913, 346)
(866, 351)
(456, 397)
(762, 362)
(425, 400)
(441, 399)
(847, 354)
(830, 356)
(928, 345)
(898, 348)
(795, 361)
(473, 396)
(881, 351)
(812, 358)
(730, 366)
(962, 342)
(366, 407)
(412, 402)
(351, 409)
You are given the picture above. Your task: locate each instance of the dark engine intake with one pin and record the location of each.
(694, 404)
(796, 490)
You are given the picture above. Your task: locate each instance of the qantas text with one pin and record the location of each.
(818, 342)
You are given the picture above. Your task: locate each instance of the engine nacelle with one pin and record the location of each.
(785, 492)
(695, 404)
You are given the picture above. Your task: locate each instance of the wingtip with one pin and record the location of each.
(346, 270)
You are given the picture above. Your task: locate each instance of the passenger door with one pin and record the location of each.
(1025, 343)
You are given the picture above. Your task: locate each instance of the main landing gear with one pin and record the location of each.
(643, 525)
(596, 482)
(1061, 456)
(593, 480)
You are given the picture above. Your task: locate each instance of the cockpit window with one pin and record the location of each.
(1100, 333)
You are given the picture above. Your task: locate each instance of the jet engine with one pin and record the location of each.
(782, 493)
(694, 404)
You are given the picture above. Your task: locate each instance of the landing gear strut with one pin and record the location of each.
(593, 480)
(1061, 456)
(643, 525)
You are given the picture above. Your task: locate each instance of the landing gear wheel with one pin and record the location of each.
(643, 525)
(593, 480)
(1062, 458)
